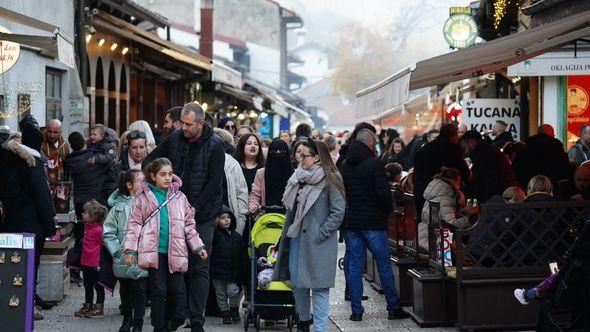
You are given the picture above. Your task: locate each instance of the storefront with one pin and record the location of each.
(564, 88)
(38, 73)
(133, 74)
(478, 61)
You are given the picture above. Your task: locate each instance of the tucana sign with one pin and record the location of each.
(480, 114)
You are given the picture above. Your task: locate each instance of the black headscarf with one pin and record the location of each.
(277, 171)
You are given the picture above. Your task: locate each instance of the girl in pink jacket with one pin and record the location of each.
(93, 217)
(160, 242)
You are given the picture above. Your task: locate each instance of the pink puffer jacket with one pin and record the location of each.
(182, 229)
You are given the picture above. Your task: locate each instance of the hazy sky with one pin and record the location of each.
(425, 19)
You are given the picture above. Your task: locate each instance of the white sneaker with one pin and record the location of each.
(519, 295)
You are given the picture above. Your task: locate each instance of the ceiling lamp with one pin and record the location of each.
(101, 42)
(114, 46)
(125, 50)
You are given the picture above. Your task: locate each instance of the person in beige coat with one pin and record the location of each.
(445, 188)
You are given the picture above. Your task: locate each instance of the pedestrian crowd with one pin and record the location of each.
(168, 221)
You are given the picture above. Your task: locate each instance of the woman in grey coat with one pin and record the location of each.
(308, 250)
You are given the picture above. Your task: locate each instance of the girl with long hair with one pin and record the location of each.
(249, 155)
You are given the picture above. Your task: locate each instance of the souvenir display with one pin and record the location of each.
(17, 281)
(14, 301)
(15, 258)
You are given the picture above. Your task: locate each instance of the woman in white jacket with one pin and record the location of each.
(237, 189)
(445, 188)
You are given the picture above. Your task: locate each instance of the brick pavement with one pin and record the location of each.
(61, 318)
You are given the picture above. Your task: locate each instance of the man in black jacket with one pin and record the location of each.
(198, 158)
(542, 155)
(368, 202)
(501, 135)
(443, 151)
(492, 173)
(24, 192)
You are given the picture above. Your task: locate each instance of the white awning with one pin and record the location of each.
(226, 75)
(471, 62)
(385, 95)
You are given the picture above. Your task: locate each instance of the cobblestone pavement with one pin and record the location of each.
(61, 318)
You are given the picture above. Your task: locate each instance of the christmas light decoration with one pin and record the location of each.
(18, 98)
(500, 7)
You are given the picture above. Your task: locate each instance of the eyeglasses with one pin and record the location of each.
(302, 156)
(228, 127)
(136, 134)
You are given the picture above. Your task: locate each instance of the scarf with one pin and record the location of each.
(304, 186)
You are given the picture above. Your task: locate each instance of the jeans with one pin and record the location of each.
(162, 282)
(346, 260)
(320, 296)
(133, 297)
(376, 242)
(198, 276)
(91, 284)
(227, 291)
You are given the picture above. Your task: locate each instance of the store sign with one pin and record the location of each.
(460, 29)
(578, 102)
(480, 114)
(9, 54)
(551, 67)
(65, 52)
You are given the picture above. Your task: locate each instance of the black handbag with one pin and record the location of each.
(73, 257)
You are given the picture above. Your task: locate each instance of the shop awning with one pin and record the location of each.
(56, 45)
(224, 74)
(471, 62)
(130, 31)
(238, 94)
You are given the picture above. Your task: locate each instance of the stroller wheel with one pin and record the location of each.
(290, 323)
(341, 263)
(257, 322)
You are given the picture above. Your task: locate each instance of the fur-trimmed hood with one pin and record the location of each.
(24, 152)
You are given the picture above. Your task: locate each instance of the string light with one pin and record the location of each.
(13, 107)
(500, 8)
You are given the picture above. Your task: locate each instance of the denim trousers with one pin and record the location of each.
(376, 241)
(320, 297)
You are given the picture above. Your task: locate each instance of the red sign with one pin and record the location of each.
(578, 105)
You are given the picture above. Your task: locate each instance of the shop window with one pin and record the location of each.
(53, 97)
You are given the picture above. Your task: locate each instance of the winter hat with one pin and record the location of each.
(32, 136)
(76, 141)
(4, 133)
(28, 120)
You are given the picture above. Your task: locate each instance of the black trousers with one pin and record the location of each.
(39, 244)
(162, 283)
(133, 297)
(78, 230)
(199, 278)
(91, 284)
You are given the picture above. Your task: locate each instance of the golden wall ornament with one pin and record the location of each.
(15, 258)
(17, 281)
(14, 301)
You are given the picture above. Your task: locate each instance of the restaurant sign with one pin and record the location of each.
(9, 52)
(460, 29)
(551, 67)
(480, 114)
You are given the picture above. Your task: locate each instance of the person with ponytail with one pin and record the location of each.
(314, 198)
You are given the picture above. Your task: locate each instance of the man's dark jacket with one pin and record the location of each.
(88, 178)
(492, 172)
(543, 155)
(368, 200)
(500, 140)
(430, 158)
(200, 165)
(24, 192)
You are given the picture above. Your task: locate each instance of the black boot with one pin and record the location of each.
(303, 326)
(137, 325)
(235, 315)
(127, 324)
(226, 317)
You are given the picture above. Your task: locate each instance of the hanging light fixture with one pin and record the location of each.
(252, 114)
(88, 37)
(242, 116)
(114, 46)
(125, 50)
(101, 42)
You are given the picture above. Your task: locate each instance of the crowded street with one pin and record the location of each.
(294, 165)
